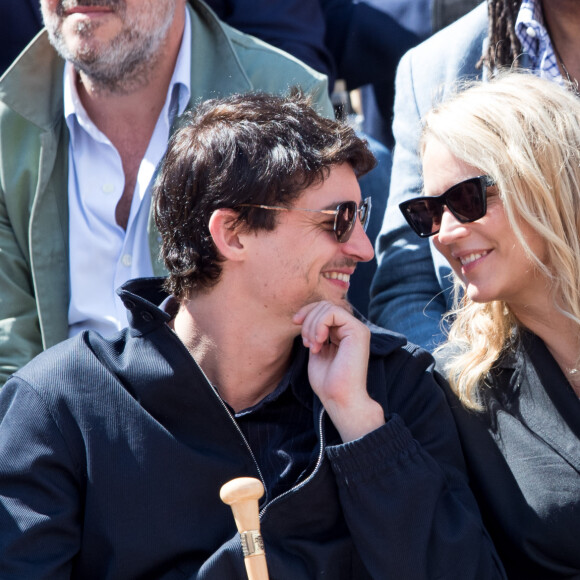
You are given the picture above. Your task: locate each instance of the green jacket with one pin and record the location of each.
(34, 266)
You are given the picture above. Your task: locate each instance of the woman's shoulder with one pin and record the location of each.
(445, 353)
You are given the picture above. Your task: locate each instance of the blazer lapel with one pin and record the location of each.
(547, 404)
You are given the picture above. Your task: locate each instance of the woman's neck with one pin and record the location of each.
(562, 338)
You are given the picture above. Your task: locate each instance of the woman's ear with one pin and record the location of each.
(225, 231)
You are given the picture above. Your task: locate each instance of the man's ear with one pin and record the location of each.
(225, 234)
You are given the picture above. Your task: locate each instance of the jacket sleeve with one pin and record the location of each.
(404, 489)
(39, 492)
(20, 338)
(406, 294)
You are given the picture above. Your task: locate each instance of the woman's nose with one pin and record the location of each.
(451, 228)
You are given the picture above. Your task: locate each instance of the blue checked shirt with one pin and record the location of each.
(532, 33)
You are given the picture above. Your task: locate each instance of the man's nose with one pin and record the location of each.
(359, 245)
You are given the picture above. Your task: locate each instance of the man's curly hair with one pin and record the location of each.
(254, 148)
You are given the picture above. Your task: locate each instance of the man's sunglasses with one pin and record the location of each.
(467, 201)
(344, 215)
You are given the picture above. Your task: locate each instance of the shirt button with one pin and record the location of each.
(108, 188)
(126, 260)
(531, 31)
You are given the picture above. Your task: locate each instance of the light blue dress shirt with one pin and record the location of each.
(102, 254)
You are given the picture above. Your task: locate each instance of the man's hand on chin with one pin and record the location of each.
(337, 369)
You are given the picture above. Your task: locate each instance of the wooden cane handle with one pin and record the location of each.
(242, 495)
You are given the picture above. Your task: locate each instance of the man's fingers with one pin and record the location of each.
(323, 322)
(304, 311)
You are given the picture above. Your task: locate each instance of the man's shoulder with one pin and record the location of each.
(395, 349)
(244, 41)
(457, 38)
(32, 85)
(144, 354)
(75, 365)
(250, 61)
(255, 54)
(384, 341)
(451, 52)
(400, 372)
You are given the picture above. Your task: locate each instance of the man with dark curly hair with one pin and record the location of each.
(245, 361)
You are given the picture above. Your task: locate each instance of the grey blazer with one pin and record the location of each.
(523, 459)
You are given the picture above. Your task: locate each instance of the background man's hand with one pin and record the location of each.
(337, 369)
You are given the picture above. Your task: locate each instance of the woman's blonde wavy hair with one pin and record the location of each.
(524, 132)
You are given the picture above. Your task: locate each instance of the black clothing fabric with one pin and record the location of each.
(20, 20)
(279, 429)
(296, 26)
(523, 457)
(113, 451)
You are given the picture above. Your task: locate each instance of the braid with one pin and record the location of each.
(504, 46)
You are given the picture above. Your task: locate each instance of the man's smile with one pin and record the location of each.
(337, 276)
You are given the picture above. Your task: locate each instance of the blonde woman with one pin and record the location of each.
(501, 164)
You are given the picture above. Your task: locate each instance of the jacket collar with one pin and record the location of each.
(143, 296)
(37, 71)
(535, 389)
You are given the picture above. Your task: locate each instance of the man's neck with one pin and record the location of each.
(562, 19)
(128, 116)
(132, 109)
(244, 358)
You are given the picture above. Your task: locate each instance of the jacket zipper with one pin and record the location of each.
(311, 476)
(233, 420)
(224, 406)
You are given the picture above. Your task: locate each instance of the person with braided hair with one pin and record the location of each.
(411, 289)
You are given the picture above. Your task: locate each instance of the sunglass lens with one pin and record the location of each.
(345, 220)
(466, 201)
(365, 213)
(424, 215)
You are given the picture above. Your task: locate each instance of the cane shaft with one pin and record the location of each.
(256, 567)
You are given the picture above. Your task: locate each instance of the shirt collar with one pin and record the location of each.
(178, 95)
(182, 73)
(531, 31)
(295, 378)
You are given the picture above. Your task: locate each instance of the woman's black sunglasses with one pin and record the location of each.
(344, 215)
(466, 200)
